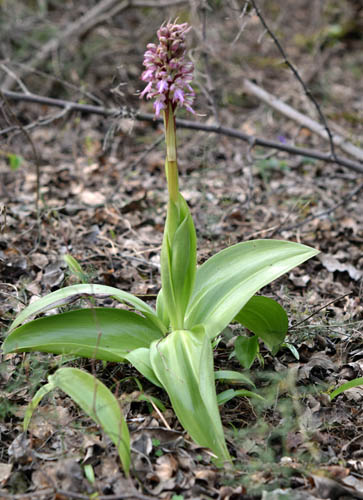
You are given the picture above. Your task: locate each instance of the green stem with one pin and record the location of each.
(171, 166)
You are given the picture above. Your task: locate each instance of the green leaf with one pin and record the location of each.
(292, 349)
(246, 350)
(161, 309)
(348, 385)
(178, 261)
(100, 333)
(74, 292)
(229, 394)
(266, 319)
(140, 359)
(15, 161)
(38, 396)
(183, 362)
(233, 376)
(97, 401)
(227, 281)
(75, 267)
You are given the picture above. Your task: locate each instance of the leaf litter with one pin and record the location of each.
(297, 444)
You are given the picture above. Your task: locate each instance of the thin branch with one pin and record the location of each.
(125, 112)
(323, 213)
(297, 76)
(15, 77)
(51, 492)
(302, 119)
(209, 90)
(318, 310)
(102, 11)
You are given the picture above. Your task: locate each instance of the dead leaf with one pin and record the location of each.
(299, 281)
(165, 467)
(207, 475)
(92, 198)
(5, 470)
(332, 264)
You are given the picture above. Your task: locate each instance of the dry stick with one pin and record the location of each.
(303, 120)
(209, 91)
(82, 25)
(133, 495)
(216, 129)
(318, 310)
(297, 76)
(78, 27)
(328, 211)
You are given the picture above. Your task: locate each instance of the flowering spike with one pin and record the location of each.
(168, 74)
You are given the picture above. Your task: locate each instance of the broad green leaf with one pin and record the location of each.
(246, 350)
(348, 385)
(100, 333)
(99, 403)
(229, 394)
(74, 292)
(183, 362)
(140, 359)
(226, 281)
(233, 376)
(178, 261)
(266, 319)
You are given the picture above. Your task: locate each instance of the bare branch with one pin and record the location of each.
(326, 212)
(99, 13)
(297, 76)
(303, 120)
(230, 132)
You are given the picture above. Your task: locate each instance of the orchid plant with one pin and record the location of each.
(172, 344)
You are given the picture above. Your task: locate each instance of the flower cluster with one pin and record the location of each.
(167, 72)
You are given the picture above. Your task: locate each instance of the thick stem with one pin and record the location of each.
(171, 166)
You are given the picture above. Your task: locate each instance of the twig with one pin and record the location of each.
(23, 496)
(217, 129)
(89, 20)
(209, 90)
(15, 77)
(243, 24)
(318, 310)
(297, 76)
(134, 495)
(303, 120)
(345, 200)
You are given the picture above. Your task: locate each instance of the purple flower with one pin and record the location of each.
(178, 96)
(167, 72)
(162, 86)
(158, 106)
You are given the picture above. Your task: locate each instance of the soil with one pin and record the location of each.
(102, 199)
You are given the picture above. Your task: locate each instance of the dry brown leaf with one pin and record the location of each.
(332, 264)
(165, 467)
(92, 197)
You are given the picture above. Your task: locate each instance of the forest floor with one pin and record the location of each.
(105, 206)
